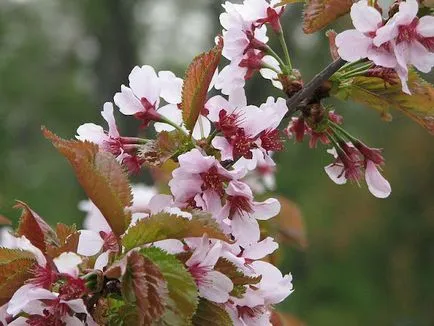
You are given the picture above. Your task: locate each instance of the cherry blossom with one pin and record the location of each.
(197, 174)
(404, 40)
(249, 133)
(349, 165)
(110, 141)
(245, 39)
(244, 255)
(411, 39)
(46, 307)
(142, 98)
(213, 285)
(243, 212)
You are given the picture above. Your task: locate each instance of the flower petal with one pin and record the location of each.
(214, 105)
(426, 26)
(335, 172)
(170, 112)
(145, 84)
(68, 263)
(266, 209)
(365, 18)
(245, 229)
(224, 147)
(352, 45)
(126, 101)
(171, 87)
(107, 114)
(89, 243)
(260, 249)
(91, 132)
(216, 287)
(202, 128)
(377, 184)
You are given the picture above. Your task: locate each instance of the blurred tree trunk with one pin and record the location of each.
(112, 24)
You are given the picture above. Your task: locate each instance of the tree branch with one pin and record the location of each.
(308, 90)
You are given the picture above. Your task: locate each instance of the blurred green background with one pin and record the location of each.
(369, 261)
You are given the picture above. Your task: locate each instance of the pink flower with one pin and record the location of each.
(358, 43)
(244, 37)
(243, 212)
(142, 98)
(273, 287)
(212, 284)
(248, 316)
(108, 141)
(377, 184)
(44, 307)
(249, 133)
(404, 40)
(349, 165)
(243, 256)
(411, 38)
(197, 174)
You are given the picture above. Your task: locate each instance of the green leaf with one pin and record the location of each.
(235, 274)
(164, 225)
(196, 83)
(14, 271)
(120, 313)
(211, 314)
(156, 152)
(101, 177)
(143, 285)
(382, 96)
(319, 13)
(183, 294)
(34, 228)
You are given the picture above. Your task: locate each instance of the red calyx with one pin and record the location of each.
(148, 114)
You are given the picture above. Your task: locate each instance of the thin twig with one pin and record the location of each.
(308, 90)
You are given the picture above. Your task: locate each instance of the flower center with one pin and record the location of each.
(239, 205)
(72, 289)
(44, 277)
(242, 145)
(199, 273)
(271, 141)
(228, 123)
(407, 33)
(212, 180)
(148, 114)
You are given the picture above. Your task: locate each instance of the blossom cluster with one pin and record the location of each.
(202, 235)
(404, 40)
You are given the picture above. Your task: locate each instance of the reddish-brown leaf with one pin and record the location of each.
(34, 228)
(331, 35)
(284, 319)
(382, 96)
(68, 237)
(320, 13)
(149, 288)
(14, 271)
(196, 82)
(101, 177)
(290, 224)
(4, 220)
